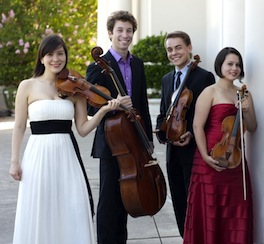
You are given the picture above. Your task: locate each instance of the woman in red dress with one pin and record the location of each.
(219, 202)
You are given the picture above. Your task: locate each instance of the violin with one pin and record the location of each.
(142, 183)
(70, 82)
(228, 151)
(175, 124)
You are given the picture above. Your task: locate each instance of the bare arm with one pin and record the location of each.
(202, 109)
(21, 110)
(85, 126)
(249, 112)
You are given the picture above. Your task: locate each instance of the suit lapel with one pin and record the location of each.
(171, 82)
(134, 75)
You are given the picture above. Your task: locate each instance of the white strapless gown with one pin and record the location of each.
(53, 205)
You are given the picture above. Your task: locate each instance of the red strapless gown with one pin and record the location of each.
(217, 211)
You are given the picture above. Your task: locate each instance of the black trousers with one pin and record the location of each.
(179, 174)
(111, 214)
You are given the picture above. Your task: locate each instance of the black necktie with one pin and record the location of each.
(177, 80)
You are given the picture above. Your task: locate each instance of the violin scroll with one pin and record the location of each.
(196, 62)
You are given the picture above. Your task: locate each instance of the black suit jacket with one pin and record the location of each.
(196, 82)
(139, 98)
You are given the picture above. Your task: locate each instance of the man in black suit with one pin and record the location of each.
(111, 214)
(180, 153)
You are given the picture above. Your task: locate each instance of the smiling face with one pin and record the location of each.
(55, 61)
(231, 67)
(121, 36)
(178, 52)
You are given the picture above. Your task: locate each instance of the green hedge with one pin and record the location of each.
(154, 73)
(151, 49)
(9, 96)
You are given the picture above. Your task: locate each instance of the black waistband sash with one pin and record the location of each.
(62, 126)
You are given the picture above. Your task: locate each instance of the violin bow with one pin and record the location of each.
(242, 144)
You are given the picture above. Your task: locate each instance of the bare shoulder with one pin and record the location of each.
(209, 90)
(26, 83)
(25, 87)
(206, 98)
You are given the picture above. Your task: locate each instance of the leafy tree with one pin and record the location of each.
(25, 22)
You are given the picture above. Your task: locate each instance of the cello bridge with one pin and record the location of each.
(151, 163)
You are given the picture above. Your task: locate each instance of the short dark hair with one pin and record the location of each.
(220, 58)
(48, 45)
(179, 34)
(123, 16)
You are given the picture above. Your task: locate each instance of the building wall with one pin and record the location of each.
(212, 25)
(254, 53)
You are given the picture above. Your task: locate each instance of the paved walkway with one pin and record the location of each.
(161, 228)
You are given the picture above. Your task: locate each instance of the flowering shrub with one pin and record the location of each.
(15, 51)
(21, 31)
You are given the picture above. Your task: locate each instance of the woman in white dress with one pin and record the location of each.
(53, 204)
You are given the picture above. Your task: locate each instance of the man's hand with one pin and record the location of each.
(125, 101)
(184, 139)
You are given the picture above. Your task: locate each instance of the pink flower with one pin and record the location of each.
(48, 31)
(9, 43)
(25, 50)
(21, 42)
(27, 45)
(3, 18)
(1, 45)
(17, 51)
(12, 14)
(79, 41)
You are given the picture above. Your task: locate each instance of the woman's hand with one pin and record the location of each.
(213, 163)
(245, 104)
(15, 171)
(111, 105)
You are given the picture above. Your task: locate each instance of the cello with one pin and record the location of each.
(142, 183)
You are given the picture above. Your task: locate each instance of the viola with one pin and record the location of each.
(142, 183)
(70, 82)
(228, 151)
(175, 123)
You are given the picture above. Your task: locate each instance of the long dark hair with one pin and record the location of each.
(48, 45)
